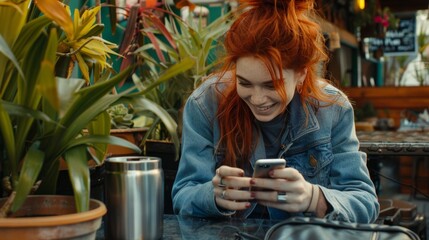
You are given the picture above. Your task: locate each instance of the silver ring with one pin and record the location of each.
(222, 195)
(221, 184)
(281, 197)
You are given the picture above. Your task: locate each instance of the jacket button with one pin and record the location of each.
(313, 161)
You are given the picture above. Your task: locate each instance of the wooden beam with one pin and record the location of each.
(386, 92)
(405, 5)
(390, 101)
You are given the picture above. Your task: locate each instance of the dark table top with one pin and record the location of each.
(394, 143)
(180, 227)
(393, 136)
(177, 227)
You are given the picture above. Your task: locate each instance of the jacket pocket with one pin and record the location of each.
(313, 163)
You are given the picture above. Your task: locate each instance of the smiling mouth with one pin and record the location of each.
(265, 108)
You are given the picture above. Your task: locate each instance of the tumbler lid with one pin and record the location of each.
(126, 163)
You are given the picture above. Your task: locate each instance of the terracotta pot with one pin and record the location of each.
(52, 217)
(133, 135)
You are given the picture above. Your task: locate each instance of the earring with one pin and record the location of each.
(299, 88)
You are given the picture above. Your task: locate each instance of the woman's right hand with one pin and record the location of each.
(231, 188)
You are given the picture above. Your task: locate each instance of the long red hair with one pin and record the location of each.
(281, 34)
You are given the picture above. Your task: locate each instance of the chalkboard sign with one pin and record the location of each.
(401, 41)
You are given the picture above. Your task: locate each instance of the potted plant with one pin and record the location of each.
(190, 39)
(43, 116)
(122, 126)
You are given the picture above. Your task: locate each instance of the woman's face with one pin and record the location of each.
(256, 88)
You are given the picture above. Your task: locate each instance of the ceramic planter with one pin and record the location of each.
(52, 217)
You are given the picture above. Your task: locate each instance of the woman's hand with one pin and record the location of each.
(231, 188)
(287, 190)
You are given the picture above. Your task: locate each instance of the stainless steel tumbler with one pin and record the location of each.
(134, 191)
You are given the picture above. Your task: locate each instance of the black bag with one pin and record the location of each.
(304, 228)
(315, 228)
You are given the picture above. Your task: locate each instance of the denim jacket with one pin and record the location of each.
(323, 148)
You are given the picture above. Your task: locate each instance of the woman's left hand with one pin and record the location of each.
(286, 189)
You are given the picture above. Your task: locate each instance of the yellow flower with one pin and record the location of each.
(81, 40)
(92, 48)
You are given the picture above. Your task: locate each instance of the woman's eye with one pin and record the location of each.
(244, 84)
(270, 87)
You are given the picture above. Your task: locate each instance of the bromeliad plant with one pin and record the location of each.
(43, 110)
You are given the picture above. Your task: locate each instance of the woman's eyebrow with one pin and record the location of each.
(244, 79)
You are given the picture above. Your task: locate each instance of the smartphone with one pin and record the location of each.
(264, 166)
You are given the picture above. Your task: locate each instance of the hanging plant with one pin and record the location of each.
(374, 21)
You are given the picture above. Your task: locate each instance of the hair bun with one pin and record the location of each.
(299, 5)
(267, 3)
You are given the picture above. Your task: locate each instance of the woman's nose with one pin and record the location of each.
(258, 97)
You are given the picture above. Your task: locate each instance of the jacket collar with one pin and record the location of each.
(299, 124)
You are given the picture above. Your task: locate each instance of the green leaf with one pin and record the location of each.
(14, 148)
(86, 105)
(28, 94)
(82, 65)
(28, 35)
(76, 159)
(66, 89)
(96, 30)
(5, 50)
(100, 139)
(141, 104)
(30, 170)
(18, 110)
(7, 133)
(80, 120)
(46, 82)
(14, 14)
(172, 71)
(86, 96)
(100, 126)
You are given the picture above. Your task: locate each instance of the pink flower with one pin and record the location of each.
(382, 20)
(378, 19)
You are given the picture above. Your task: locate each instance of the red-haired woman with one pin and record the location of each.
(270, 102)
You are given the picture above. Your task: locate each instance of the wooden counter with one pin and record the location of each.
(390, 102)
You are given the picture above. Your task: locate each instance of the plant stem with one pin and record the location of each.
(6, 206)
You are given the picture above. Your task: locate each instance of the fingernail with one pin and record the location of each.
(252, 194)
(252, 181)
(241, 174)
(248, 205)
(271, 173)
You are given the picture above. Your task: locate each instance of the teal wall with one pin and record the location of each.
(215, 10)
